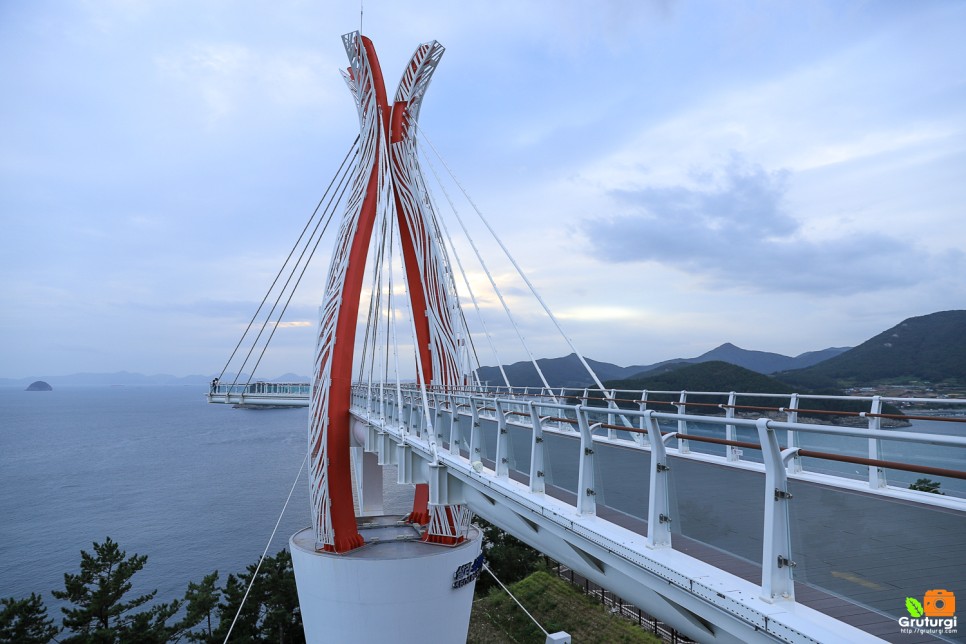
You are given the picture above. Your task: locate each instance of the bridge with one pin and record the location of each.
(731, 516)
(668, 506)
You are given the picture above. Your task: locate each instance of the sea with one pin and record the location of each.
(199, 487)
(196, 487)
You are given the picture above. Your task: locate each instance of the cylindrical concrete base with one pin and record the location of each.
(394, 589)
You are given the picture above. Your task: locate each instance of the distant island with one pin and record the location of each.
(39, 385)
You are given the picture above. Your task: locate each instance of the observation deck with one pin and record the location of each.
(261, 394)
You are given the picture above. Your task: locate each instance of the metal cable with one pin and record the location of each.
(267, 546)
(282, 268)
(487, 569)
(344, 186)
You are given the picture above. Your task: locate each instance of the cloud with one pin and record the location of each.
(294, 324)
(230, 77)
(731, 227)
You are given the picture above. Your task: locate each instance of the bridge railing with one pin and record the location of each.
(873, 412)
(483, 429)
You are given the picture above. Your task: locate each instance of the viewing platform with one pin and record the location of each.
(261, 394)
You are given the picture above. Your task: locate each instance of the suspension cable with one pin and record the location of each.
(466, 282)
(352, 148)
(533, 290)
(496, 288)
(513, 261)
(267, 546)
(507, 590)
(420, 376)
(344, 184)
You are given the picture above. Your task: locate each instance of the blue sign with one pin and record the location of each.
(468, 572)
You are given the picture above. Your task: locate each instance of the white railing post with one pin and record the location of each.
(642, 439)
(586, 494)
(537, 454)
(731, 432)
(476, 454)
(683, 446)
(405, 415)
(877, 477)
(437, 414)
(795, 465)
(658, 504)
(777, 580)
(611, 419)
(502, 438)
(455, 432)
(421, 415)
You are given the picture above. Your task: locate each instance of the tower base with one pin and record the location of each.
(396, 588)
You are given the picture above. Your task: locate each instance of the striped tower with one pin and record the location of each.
(394, 588)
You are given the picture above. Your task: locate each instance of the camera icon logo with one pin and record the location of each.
(939, 603)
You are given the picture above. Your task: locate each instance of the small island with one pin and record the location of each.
(39, 385)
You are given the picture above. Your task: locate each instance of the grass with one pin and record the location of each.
(558, 606)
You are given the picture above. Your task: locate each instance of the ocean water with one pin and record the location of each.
(196, 487)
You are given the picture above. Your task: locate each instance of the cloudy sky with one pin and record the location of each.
(671, 175)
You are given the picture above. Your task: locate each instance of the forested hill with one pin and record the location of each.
(724, 377)
(569, 372)
(704, 376)
(927, 348)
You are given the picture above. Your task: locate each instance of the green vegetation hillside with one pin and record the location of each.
(725, 377)
(704, 376)
(928, 348)
(558, 606)
(566, 371)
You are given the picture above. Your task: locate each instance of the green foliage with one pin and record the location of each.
(101, 611)
(724, 376)
(926, 485)
(201, 601)
(509, 558)
(558, 606)
(930, 347)
(25, 621)
(703, 376)
(271, 612)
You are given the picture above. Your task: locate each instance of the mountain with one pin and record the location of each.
(927, 348)
(131, 379)
(722, 376)
(714, 375)
(559, 372)
(762, 362)
(568, 372)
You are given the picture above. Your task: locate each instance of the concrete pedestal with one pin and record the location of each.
(394, 589)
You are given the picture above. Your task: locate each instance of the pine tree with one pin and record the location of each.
(98, 592)
(271, 612)
(201, 602)
(25, 621)
(282, 621)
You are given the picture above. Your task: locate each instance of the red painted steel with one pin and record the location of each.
(343, 516)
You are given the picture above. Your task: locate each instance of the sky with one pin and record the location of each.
(671, 175)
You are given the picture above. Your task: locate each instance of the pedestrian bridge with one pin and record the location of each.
(730, 519)
(730, 528)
